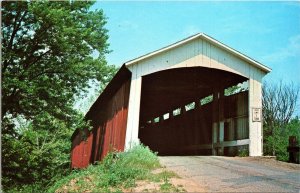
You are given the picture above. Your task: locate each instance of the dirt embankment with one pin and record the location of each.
(174, 184)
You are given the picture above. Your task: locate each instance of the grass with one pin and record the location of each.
(118, 171)
(166, 186)
(158, 177)
(243, 152)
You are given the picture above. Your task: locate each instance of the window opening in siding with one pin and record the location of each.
(206, 100)
(166, 116)
(190, 106)
(236, 89)
(177, 112)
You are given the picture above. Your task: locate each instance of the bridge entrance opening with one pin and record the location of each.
(194, 111)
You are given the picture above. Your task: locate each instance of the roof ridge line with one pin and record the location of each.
(207, 38)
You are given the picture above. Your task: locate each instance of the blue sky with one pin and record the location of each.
(269, 32)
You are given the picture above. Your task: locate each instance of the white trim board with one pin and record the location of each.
(208, 39)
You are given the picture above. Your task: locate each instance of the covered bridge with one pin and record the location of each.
(174, 100)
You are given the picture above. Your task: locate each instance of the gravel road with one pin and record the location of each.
(235, 174)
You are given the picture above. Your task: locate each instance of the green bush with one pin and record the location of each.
(278, 142)
(243, 151)
(117, 170)
(32, 161)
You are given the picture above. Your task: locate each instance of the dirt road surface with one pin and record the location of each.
(235, 174)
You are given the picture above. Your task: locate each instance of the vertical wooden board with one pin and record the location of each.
(76, 158)
(115, 131)
(206, 54)
(133, 111)
(106, 140)
(73, 152)
(120, 117)
(80, 154)
(114, 116)
(115, 126)
(87, 148)
(77, 151)
(95, 145)
(123, 129)
(109, 124)
(82, 149)
(214, 57)
(198, 54)
(85, 160)
(191, 51)
(175, 135)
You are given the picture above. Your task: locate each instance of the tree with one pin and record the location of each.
(36, 156)
(47, 57)
(277, 143)
(279, 104)
(50, 53)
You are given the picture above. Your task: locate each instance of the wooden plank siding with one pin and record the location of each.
(172, 77)
(81, 149)
(199, 51)
(236, 115)
(189, 133)
(115, 126)
(108, 117)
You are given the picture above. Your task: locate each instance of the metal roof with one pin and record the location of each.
(208, 39)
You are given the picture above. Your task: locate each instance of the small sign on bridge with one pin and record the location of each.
(256, 114)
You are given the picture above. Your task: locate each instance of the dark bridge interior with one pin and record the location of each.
(177, 112)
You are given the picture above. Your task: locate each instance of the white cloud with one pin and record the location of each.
(233, 24)
(292, 49)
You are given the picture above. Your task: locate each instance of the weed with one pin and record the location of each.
(243, 152)
(162, 175)
(117, 170)
(166, 187)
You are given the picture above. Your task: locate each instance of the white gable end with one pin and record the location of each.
(200, 52)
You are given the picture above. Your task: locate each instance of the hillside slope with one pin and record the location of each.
(135, 170)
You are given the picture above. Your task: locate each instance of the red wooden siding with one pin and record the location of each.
(111, 130)
(109, 119)
(81, 149)
(76, 152)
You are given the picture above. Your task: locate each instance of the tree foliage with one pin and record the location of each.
(50, 53)
(36, 155)
(279, 104)
(47, 56)
(233, 90)
(277, 143)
